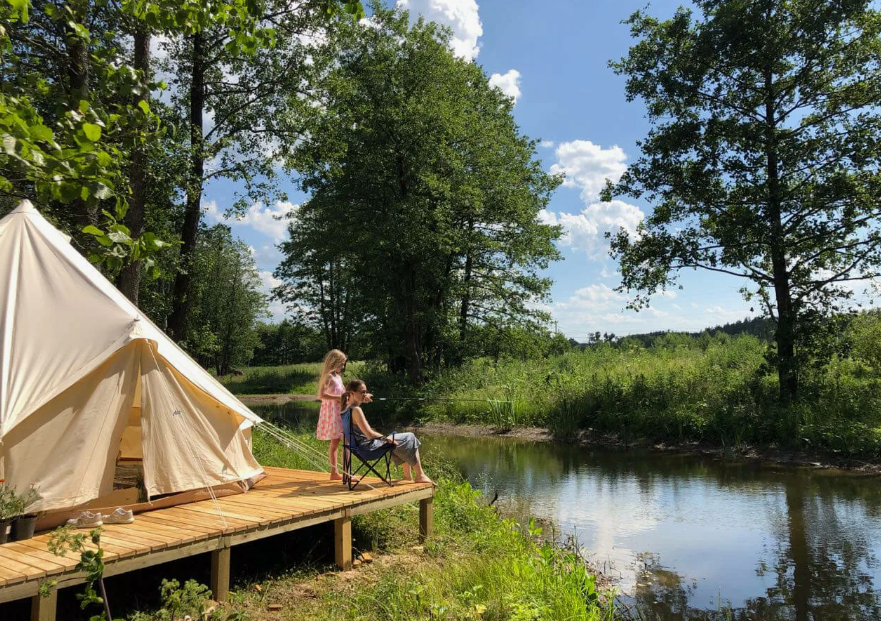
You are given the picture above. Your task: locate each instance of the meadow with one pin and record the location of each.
(719, 390)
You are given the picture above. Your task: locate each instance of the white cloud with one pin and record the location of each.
(547, 144)
(269, 282)
(270, 221)
(586, 230)
(587, 166)
(508, 83)
(460, 16)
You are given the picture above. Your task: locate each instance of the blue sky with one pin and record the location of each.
(552, 57)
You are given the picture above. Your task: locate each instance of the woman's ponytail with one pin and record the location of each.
(351, 388)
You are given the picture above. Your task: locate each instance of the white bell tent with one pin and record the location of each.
(86, 379)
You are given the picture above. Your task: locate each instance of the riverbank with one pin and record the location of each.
(768, 454)
(589, 437)
(477, 565)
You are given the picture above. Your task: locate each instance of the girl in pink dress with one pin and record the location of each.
(330, 387)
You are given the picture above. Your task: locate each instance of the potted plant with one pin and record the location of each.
(24, 523)
(8, 510)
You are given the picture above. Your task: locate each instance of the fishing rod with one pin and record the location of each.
(454, 399)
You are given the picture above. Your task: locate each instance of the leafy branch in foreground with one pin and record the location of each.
(64, 540)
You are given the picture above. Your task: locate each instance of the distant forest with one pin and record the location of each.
(760, 327)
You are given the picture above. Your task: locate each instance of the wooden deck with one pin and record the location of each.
(285, 500)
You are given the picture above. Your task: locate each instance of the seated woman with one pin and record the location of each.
(406, 449)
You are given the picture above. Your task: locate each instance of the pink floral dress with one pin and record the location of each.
(330, 427)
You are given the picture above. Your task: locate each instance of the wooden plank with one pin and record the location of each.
(342, 542)
(228, 515)
(171, 522)
(148, 542)
(64, 562)
(15, 562)
(220, 562)
(184, 518)
(238, 515)
(8, 576)
(39, 546)
(43, 608)
(187, 512)
(426, 518)
(24, 555)
(170, 537)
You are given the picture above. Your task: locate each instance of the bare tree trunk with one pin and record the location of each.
(129, 279)
(787, 370)
(180, 306)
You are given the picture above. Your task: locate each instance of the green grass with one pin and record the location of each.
(476, 566)
(294, 379)
(716, 390)
(720, 392)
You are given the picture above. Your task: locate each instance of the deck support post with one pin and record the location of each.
(426, 518)
(342, 539)
(43, 608)
(220, 573)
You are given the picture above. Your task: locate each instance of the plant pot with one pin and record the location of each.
(23, 527)
(5, 528)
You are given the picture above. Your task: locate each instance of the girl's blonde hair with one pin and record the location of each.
(352, 387)
(334, 358)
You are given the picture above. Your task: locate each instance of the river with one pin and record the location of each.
(691, 537)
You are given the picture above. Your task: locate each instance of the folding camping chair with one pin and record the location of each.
(368, 460)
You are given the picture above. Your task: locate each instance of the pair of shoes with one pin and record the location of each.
(87, 519)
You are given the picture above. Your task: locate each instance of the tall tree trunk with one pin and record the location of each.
(412, 349)
(787, 371)
(180, 305)
(466, 299)
(129, 279)
(79, 77)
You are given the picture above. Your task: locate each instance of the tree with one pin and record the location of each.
(762, 161)
(226, 301)
(422, 190)
(242, 63)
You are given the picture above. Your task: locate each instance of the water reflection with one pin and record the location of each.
(696, 538)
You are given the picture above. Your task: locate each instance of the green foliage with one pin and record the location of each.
(179, 602)
(12, 503)
(866, 338)
(225, 301)
(680, 389)
(422, 230)
(65, 142)
(762, 161)
(91, 563)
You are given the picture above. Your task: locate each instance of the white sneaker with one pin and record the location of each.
(120, 516)
(86, 519)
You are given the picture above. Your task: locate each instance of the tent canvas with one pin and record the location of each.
(86, 378)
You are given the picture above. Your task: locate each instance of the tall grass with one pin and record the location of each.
(295, 379)
(718, 391)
